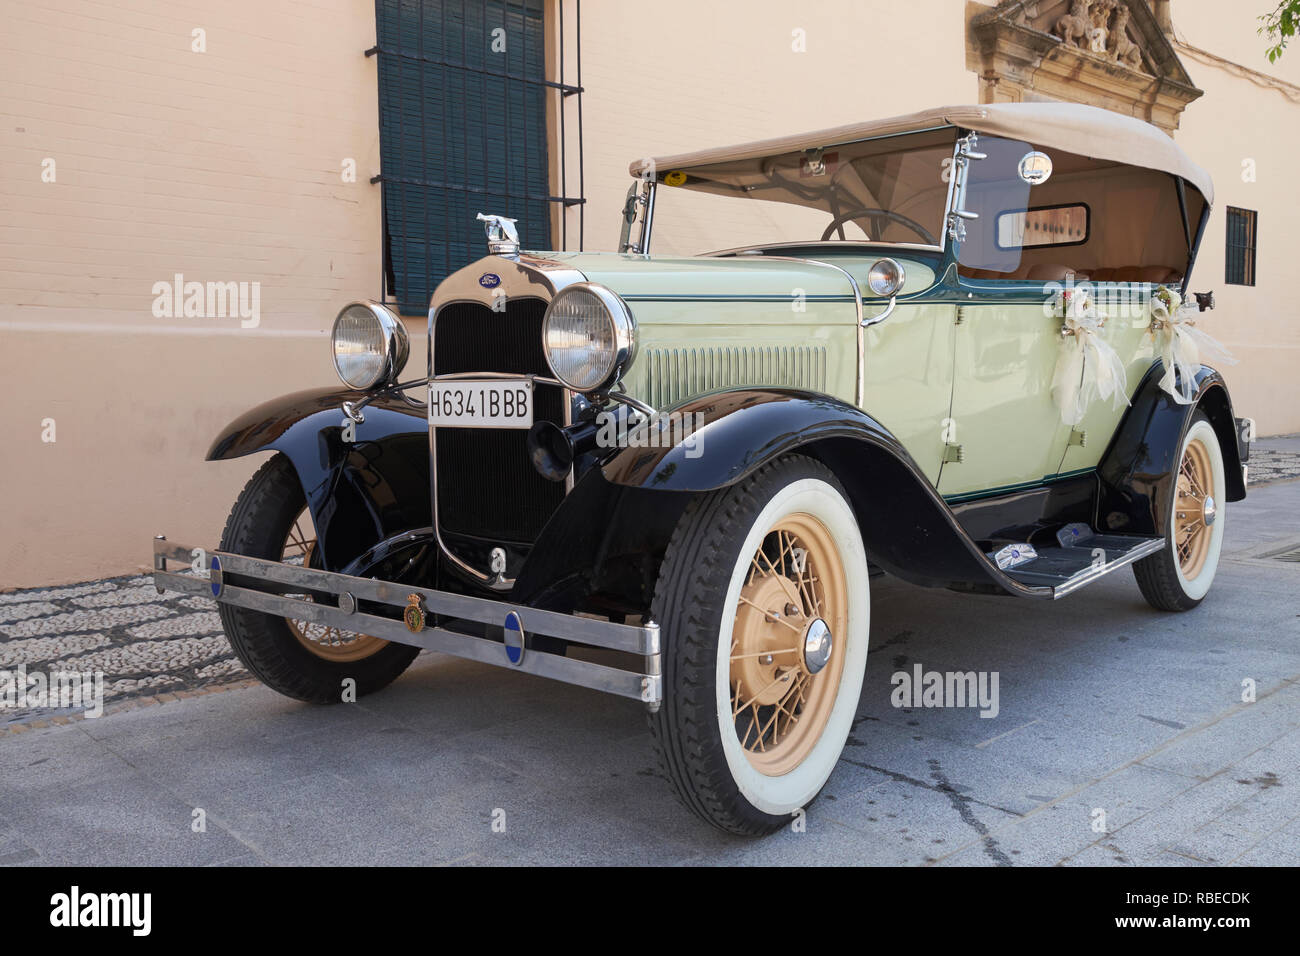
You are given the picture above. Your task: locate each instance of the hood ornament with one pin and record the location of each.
(503, 238)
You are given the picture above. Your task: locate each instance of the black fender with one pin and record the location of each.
(359, 493)
(907, 527)
(1139, 469)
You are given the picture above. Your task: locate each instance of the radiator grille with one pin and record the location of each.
(486, 485)
(676, 374)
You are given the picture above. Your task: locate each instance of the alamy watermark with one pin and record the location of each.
(922, 688)
(660, 430)
(208, 300)
(57, 690)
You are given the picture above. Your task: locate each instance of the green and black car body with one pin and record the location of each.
(596, 431)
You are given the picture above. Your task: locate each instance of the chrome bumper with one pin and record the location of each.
(208, 569)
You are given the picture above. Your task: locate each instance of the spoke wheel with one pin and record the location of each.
(764, 609)
(782, 686)
(1194, 503)
(323, 640)
(1178, 577)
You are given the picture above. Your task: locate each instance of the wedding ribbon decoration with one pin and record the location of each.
(1180, 345)
(1087, 367)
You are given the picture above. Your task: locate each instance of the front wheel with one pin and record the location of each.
(299, 659)
(764, 609)
(1178, 577)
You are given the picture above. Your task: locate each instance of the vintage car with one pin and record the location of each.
(966, 362)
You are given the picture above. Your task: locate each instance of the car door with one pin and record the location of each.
(1005, 428)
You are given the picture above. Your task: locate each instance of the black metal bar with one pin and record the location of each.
(383, 214)
(457, 187)
(442, 92)
(567, 90)
(582, 181)
(564, 151)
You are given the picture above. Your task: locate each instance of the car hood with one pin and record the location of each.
(748, 277)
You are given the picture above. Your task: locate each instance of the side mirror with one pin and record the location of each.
(1204, 300)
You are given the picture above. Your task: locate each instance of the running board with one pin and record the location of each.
(1069, 567)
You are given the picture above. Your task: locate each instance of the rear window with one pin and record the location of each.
(1043, 226)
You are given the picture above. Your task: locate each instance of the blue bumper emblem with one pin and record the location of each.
(514, 638)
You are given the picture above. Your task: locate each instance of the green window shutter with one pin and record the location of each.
(462, 130)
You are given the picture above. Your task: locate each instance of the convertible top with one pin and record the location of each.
(1072, 127)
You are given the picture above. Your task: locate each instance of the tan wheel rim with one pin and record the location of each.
(322, 640)
(779, 702)
(1194, 509)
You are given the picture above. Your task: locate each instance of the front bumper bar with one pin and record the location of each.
(430, 618)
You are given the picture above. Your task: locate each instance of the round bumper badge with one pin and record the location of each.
(215, 581)
(414, 613)
(514, 638)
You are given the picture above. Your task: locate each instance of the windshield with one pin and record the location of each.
(891, 189)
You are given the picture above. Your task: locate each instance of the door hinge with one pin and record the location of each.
(952, 453)
(961, 315)
(1078, 436)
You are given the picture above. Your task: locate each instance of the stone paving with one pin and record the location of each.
(144, 643)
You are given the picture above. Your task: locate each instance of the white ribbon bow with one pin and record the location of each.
(1087, 368)
(1180, 345)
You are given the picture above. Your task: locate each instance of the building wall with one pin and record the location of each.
(221, 166)
(225, 166)
(1245, 130)
(683, 75)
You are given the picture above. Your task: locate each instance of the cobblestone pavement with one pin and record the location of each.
(144, 643)
(1275, 459)
(149, 644)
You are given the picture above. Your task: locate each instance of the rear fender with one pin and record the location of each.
(1139, 470)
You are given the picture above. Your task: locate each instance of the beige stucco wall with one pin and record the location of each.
(1245, 125)
(225, 166)
(222, 166)
(684, 75)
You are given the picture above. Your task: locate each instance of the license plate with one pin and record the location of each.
(489, 403)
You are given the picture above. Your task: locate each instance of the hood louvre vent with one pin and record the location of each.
(676, 374)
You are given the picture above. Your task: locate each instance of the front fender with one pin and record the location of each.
(359, 493)
(907, 527)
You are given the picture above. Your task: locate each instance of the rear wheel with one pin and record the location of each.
(300, 659)
(764, 609)
(1178, 577)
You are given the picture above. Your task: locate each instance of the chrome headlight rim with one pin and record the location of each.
(394, 354)
(883, 284)
(623, 334)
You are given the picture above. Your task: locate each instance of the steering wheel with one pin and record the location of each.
(862, 211)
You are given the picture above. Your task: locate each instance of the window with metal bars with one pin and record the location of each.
(464, 129)
(1239, 257)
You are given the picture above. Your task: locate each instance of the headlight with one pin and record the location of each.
(589, 337)
(885, 277)
(370, 345)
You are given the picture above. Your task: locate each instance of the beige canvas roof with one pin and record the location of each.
(1072, 127)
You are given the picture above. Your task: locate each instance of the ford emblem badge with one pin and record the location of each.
(489, 280)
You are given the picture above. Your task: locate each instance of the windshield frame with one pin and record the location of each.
(648, 184)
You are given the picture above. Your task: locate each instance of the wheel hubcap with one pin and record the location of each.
(1195, 510)
(817, 646)
(784, 674)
